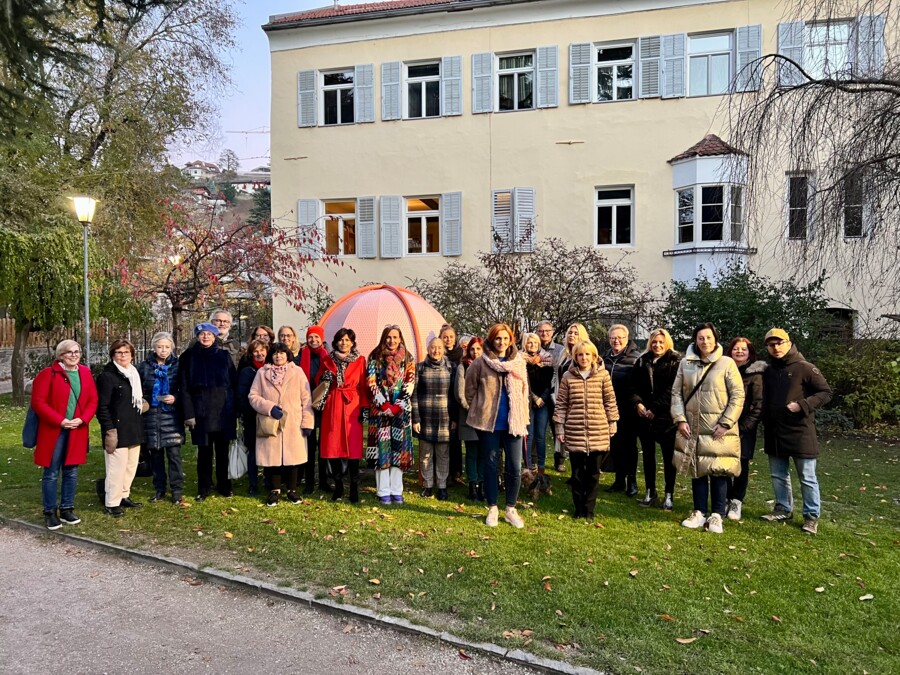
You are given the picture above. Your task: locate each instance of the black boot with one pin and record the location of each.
(354, 491)
(338, 489)
(479, 491)
(649, 498)
(473, 492)
(631, 486)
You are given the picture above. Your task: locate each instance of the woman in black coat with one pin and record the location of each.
(207, 378)
(163, 429)
(742, 351)
(651, 382)
(257, 351)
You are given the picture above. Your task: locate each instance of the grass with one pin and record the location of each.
(614, 595)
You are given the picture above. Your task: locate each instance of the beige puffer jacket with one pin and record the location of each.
(585, 408)
(719, 400)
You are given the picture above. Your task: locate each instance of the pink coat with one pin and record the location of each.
(293, 396)
(50, 398)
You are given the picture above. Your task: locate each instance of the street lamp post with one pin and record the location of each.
(84, 209)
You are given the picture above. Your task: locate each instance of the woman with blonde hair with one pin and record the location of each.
(288, 336)
(586, 416)
(575, 334)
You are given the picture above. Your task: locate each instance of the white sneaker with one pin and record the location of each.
(714, 523)
(513, 518)
(695, 520)
(492, 517)
(734, 509)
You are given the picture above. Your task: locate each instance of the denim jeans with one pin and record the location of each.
(701, 487)
(780, 468)
(492, 443)
(537, 435)
(474, 462)
(50, 478)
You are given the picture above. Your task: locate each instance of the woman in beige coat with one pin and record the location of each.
(585, 417)
(281, 392)
(707, 398)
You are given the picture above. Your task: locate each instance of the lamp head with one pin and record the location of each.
(84, 209)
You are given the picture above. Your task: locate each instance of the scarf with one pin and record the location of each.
(137, 395)
(516, 388)
(338, 365)
(394, 364)
(208, 370)
(306, 357)
(543, 358)
(455, 355)
(257, 364)
(276, 374)
(160, 387)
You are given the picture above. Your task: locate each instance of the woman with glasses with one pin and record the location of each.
(262, 334)
(391, 379)
(288, 336)
(64, 398)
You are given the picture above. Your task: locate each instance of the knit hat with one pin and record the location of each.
(777, 334)
(208, 327)
(316, 330)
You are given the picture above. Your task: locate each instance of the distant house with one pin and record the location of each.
(199, 170)
(251, 182)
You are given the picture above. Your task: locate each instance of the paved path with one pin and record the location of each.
(66, 609)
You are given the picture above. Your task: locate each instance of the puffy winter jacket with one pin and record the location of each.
(752, 375)
(162, 423)
(585, 408)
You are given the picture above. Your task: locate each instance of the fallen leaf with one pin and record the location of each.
(463, 655)
(282, 531)
(727, 590)
(820, 589)
(776, 619)
(472, 554)
(633, 573)
(377, 582)
(666, 617)
(738, 618)
(600, 525)
(546, 578)
(228, 535)
(686, 641)
(250, 549)
(348, 629)
(377, 596)
(547, 586)
(867, 596)
(559, 612)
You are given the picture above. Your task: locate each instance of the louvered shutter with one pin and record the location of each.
(482, 82)
(390, 90)
(869, 52)
(501, 221)
(580, 73)
(525, 224)
(310, 230)
(548, 77)
(747, 58)
(451, 223)
(790, 45)
(451, 85)
(364, 93)
(306, 98)
(673, 47)
(390, 210)
(649, 51)
(365, 227)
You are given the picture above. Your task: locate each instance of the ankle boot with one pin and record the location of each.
(354, 491)
(338, 489)
(540, 471)
(479, 491)
(649, 498)
(473, 493)
(669, 503)
(630, 486)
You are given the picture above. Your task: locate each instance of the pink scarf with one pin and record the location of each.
(516, 387)
(276, 373)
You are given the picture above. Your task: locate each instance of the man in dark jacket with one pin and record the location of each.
(619, 360)
(792, 390)
(557, 351)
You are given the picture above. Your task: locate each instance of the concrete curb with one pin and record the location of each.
(303, 598)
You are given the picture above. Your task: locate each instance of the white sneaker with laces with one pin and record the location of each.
(513, 518)
(492, 517)
(714, 523)
(734, 509)
(695, 520)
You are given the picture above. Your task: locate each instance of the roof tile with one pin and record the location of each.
(710, 146)
(361, 8)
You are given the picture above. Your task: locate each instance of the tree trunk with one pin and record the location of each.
(176, 327)
(23, 329)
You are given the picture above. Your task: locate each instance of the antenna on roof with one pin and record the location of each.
(336, 4)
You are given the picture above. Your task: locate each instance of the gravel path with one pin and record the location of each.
(66, 609)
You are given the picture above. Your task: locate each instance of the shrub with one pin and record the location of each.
(865, 377)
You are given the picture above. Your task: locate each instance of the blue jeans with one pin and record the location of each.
(780, 468)
(51, 476)
(701, 487)
(492, 443)
(537, 435)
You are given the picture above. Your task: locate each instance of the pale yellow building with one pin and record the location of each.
(436, 129)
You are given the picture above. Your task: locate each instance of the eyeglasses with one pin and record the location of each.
(392, 326)
(221, 321)
(74, 352)
(617, 339)
(774, 343)
(123, 353)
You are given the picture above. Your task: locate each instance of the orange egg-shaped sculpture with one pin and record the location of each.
(368, 310)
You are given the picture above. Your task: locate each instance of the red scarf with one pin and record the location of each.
(305, 365)
(394, 364)
(257, 364)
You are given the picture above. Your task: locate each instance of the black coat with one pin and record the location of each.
(163, 427)
(207, 379)
(787, 380)
(540, 379)
(246, 375)
(752, 375)
(620, 367)
(115, 409)
(651, 384)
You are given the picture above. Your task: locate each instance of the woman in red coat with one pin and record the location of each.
(347, 396)
(64, 398)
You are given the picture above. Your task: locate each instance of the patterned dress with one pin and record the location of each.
(391, 435)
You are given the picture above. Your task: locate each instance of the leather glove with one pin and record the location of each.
(110, 441)
(191, 423)
(276, 413)
(307, 432)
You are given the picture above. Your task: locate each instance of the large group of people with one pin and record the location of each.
(309, 414)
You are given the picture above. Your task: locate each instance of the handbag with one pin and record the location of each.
(30, 429)
(266, 426)
(237, 459)
(319, 394)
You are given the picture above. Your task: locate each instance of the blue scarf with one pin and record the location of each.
(160, 387)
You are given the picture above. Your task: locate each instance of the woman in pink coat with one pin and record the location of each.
(281, 392)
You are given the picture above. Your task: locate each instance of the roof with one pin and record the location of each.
(710, 146)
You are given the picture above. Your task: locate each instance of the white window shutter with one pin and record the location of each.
(673, 48)
(748, 51)
(483, 82)
(790, 45)
(548, 77)
(451, 223)
(364, 93)
(310, 229)
(580, 73)
(390, 209)
(501, 221)
(525, 223)
(306, 98)
(365, 227)
(390, 90)
(451, 86)
(869, 47)
(649, 52)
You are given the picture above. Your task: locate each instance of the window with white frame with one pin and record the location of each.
(337, 97)
(423, 225)
(737, 213)
(854, 205)
(515, 81)
(423, 90)
(685, 215)
(828, 52)
(340, 227)
(710, 213)
(709, 70)
(798, 206)
(614, 207)
(615, 72)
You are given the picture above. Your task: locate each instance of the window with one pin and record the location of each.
(515, 81)
(614, 217)
(337, 97)
(710, 63)
(827, 49)
(423, 90)
(712, 212)
(798, 207)
(686, 216)
(340, 227)
(737, 213)
(615, 72)
(853, 205)
(423, 225)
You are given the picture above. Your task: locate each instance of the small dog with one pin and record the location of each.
(536, 484)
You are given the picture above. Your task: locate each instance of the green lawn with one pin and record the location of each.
(617, 594)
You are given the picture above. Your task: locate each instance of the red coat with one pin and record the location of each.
(50, 398)
(342, 432)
